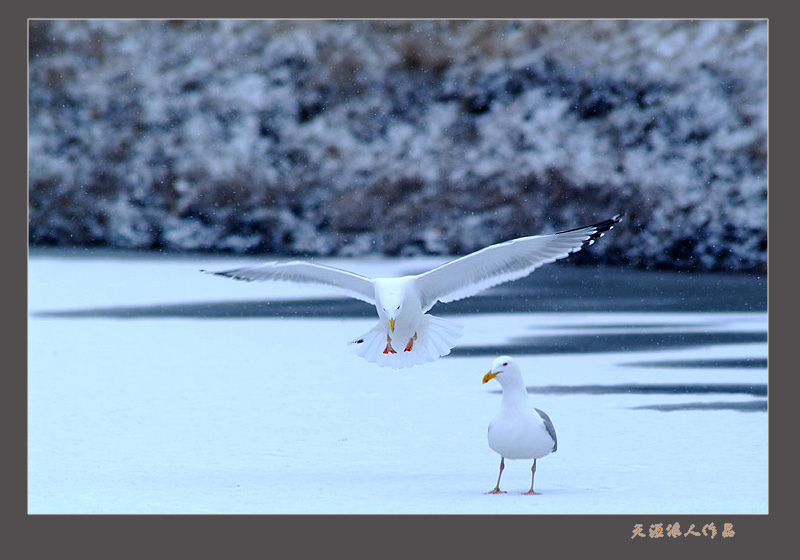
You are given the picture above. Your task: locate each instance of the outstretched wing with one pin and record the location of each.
(350, 284)
(511, 260)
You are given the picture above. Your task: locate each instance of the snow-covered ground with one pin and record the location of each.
(277, 415)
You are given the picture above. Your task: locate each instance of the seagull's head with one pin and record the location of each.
(392, 308)
(502, 368)
(396, 299)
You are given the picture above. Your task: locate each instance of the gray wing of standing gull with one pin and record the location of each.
(550, 428)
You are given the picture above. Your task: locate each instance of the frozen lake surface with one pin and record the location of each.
(156, 389)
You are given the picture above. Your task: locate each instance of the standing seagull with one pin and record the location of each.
(520, 431)
(405, 334)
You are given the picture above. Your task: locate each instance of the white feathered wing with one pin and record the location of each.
(503, 262)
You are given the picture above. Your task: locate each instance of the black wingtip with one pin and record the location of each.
(215, 273)
(602, 227)
(598, 229)
(606, 225)
(226, 274)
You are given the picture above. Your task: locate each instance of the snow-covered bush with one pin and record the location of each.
(350, 137)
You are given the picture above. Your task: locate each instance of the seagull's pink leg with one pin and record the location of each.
(410, 344)
(531, 492)
(496, 489)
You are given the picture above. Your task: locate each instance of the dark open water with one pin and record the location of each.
(564, 289)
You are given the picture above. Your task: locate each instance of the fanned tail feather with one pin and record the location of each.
(435, 338)
(370, 344)
(442, 335)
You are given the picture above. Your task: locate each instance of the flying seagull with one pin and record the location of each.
(405, 334)
(520, 431)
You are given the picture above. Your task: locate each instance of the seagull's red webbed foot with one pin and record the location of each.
(389, 348)
(531, 493)
(496, 490)
(410, 344)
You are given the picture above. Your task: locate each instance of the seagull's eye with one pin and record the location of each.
(505, 363)
(398, 307)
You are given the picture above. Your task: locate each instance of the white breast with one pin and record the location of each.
(523, 436)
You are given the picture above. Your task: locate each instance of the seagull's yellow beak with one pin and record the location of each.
(391, 323)
(490, 375)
